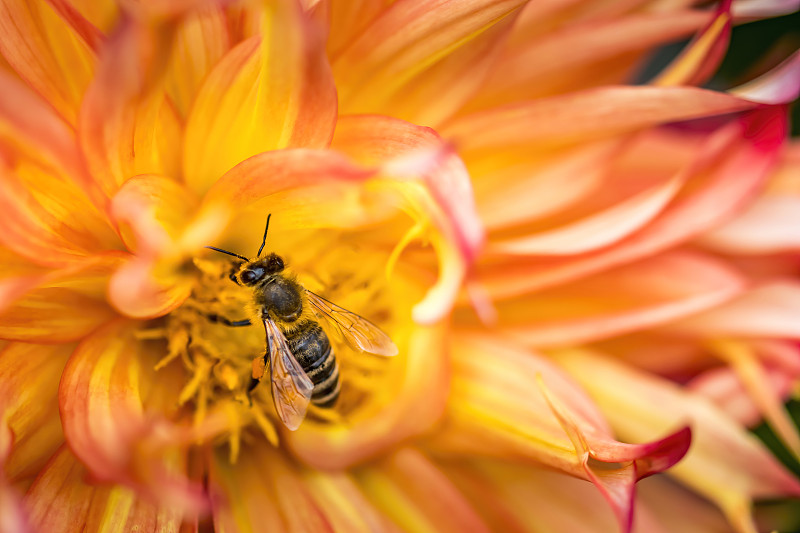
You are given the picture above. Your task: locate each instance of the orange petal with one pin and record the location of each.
(51, 315)
(265, 492)
(725, 464)
(30, 125)
(637, 296)
(728, 171)
(87, 19)
(347, 20)
(585, 115)
(49, 220)
(60, 500)
(536, 64)
(404, 62)
(29, 376)
(416, 405)
(401, 486)
(127, 126)
(272, 91)
(107, 384)
(201, 40)
(47, 53)
(701, 57)
(598, 229)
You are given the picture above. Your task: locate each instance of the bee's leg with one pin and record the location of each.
(232, 323)
(259, 368)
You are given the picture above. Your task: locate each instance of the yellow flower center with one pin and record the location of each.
(221, 358)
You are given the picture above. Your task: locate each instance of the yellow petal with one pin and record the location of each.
(271, 91)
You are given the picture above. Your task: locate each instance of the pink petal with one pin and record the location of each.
(641, 295)
(727, 172)
(780, 85)
(771, 311)
(764, 8)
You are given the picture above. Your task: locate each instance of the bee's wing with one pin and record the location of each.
(356, 330)
(291, 387)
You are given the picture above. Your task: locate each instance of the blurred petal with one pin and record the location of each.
(781, 85)
(47, 53)
(265, 492)
(764, 8)
(537, 64)
(401, 486)
(701, 57)
(726, 173)
(127, 126)
(48, 315)
(404, 62)
(29, 376)
(412, 408)
(60, 500)
(626, 299)
(725, 463)
(585, 115)
(282, 77)
(106, 386)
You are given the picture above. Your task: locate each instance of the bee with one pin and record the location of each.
(302, 364)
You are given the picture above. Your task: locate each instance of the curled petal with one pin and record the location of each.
(105, 387)
(764, 8)
(47, 53)
(404, 62)
(634, 297)
(61, 501)
(280, 75)
(726, 172)
(411, 409)
(492, 412)
(781, 85)
(639, 405)
(29, 376)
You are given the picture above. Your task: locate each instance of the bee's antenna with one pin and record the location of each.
(264, 240)
(227, 252)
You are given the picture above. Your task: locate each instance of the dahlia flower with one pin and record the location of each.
(588, 282)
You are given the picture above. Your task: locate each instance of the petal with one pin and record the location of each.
(725, 463)
(536, 64)
(764, 8)
(769, 311)
(728, 170)
(415, 49)
(401, 486)
(270, 92)
(586, 115)
(637, 296)
(107, 384)
(126, 124)
(60, 500)
(30, 125)
(266, 492)
(47, 53)
(51, 315)
(49, 220)
(416, 401)
(701, 57)
(767, 226)
(29, 376)
(598, 229)
(780, 85)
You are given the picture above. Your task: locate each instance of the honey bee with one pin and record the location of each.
(302, 365)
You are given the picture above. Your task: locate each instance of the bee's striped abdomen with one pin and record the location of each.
(311, 348)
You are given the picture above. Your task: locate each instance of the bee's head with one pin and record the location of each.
(254, 271)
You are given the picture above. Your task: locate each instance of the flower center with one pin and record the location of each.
(218, 335)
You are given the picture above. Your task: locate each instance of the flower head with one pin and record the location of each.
(568, 268)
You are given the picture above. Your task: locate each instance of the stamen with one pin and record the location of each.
(416, 231)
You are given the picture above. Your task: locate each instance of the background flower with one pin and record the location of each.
(567, 265)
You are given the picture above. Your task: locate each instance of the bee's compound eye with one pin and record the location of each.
(252, 275)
